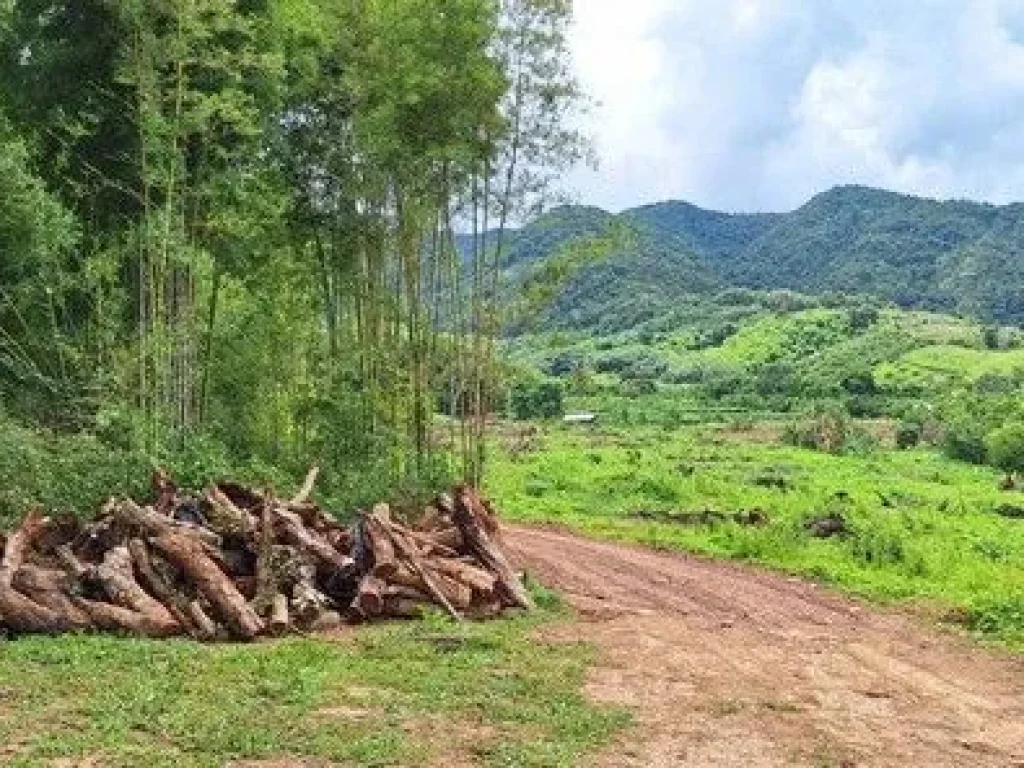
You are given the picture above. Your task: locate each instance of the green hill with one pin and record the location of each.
(955, 256)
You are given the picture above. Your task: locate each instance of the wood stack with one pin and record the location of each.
(234, 562)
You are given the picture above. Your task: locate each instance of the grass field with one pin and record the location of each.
(923, 528)
(404, 694)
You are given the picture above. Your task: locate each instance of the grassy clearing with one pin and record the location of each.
(403, 694)
(924, 528)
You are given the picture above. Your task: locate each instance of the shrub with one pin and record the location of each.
(537, 400)
(826, 430)
(908, 434)
(965, 441)
(1005, 448)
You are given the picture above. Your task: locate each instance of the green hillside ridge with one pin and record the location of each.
(953, 257)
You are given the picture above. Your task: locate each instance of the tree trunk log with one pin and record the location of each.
(116, 577)
(226, 518)
(467, 516)
(21, 613)
(230, 605)
(279, 622)
(151, 523)
(154, 582)
(327, 557)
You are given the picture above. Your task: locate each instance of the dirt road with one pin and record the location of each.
(726, 665)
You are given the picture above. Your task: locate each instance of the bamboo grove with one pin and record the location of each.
(230, 225)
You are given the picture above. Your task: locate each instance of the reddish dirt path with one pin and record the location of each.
(726, 665)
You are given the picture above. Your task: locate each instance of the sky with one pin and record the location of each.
(757, 105)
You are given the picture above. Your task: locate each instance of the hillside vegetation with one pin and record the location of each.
(952, 257)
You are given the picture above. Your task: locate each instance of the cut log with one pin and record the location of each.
(229, 604)
(480, 581)
(154, 582)
(224, 516)
(369, 599)
(279, 622)
(148, 521)
(114, 618)
(116, 576)
(408, 552)
(21, 613)
(205, 626)
(328, 558)
(307, 601)
(378, 541)
(467, 515)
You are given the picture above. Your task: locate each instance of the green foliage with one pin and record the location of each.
(1005, 448)
(827, 430)
(850, 241)
(537, 399)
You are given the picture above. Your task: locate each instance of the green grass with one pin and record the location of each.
(924, 528)
(387, 695)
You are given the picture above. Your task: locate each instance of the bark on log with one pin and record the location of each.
(408, 552)
(331, 560)
(21, 613)
(33, 578)
(224, 516)
(230, 605)
(480, 581)
(378, 541)
(468, 511)
(266, 579)
(307, 601)
(154, 582)
(279, 621)
(444, 543)
(114, 618)
(166, 492)
(60, 603)
(116, 577)
(205, 626)
(404, 608)
(151, 523)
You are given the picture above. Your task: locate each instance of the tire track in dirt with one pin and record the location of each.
(727, 665)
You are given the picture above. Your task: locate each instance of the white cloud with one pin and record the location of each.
(759, 104)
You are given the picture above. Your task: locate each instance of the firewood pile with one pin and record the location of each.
(236, 563)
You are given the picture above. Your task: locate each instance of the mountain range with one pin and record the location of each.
(956, 257)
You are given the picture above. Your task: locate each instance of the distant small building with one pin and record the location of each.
(579, 418)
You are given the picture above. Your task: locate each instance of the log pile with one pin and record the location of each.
(236, 563)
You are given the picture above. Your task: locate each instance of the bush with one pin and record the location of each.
(1005, 448)
(537, 400)
(908, 434)
(826, 430)
(965, 441)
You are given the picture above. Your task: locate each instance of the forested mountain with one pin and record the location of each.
(955, 256)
